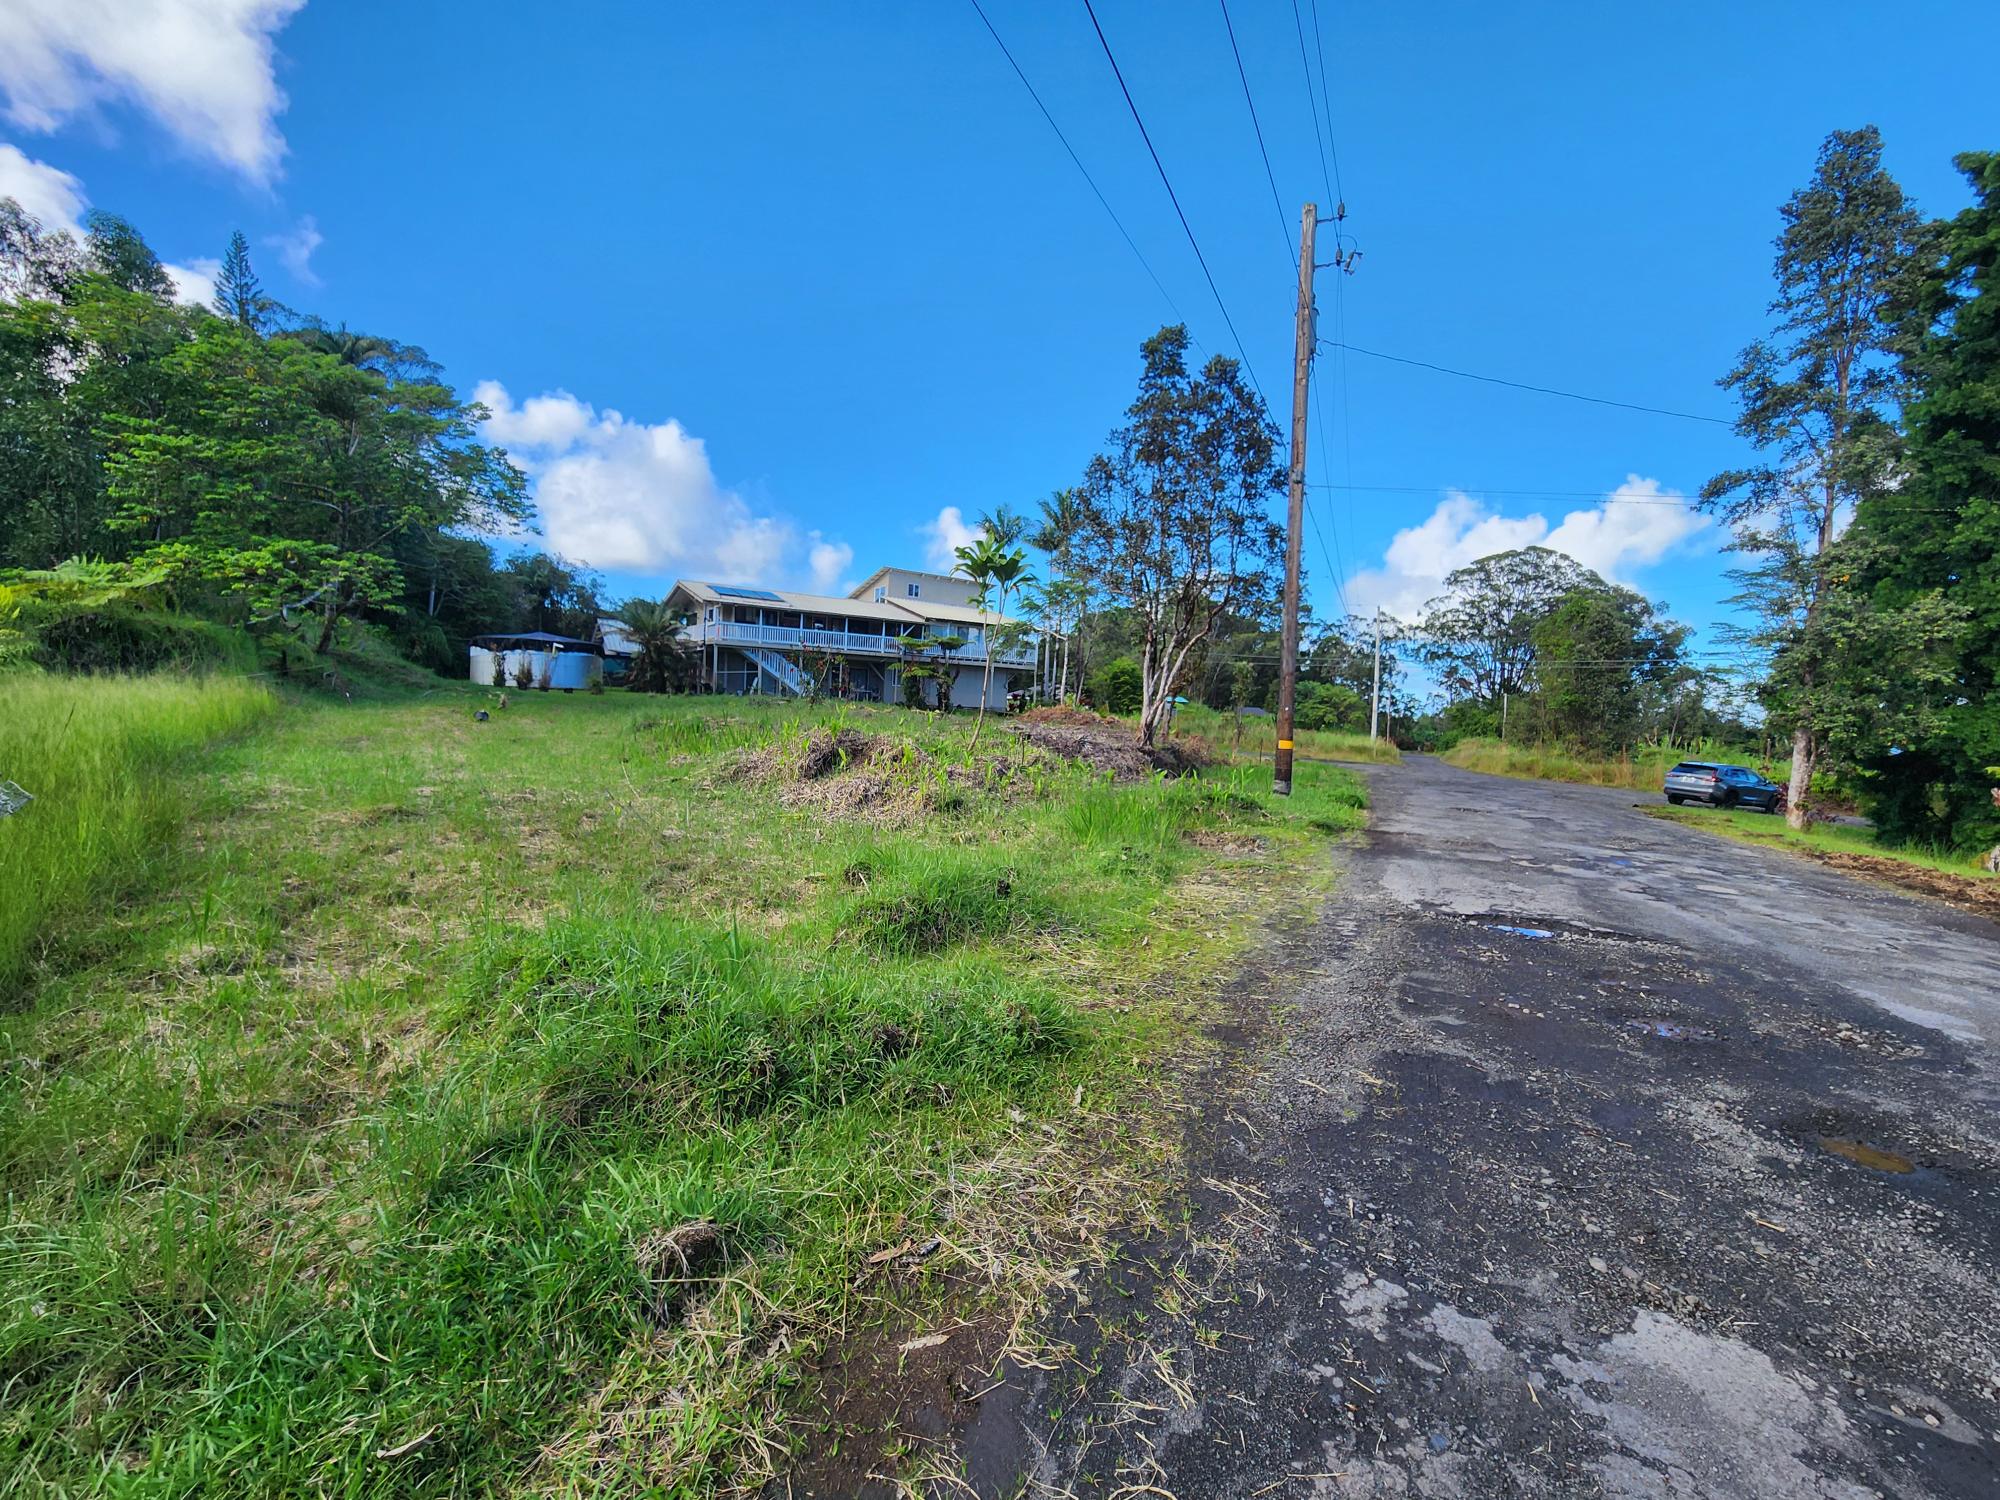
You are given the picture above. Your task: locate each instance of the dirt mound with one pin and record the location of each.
(881, 777)
(1064, 713)
(1107, 745)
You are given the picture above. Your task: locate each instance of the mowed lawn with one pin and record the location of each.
(341, 1136)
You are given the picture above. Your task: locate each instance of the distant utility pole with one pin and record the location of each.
(1288, 664)
(1375, 699)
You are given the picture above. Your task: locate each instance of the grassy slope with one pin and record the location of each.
(106, 760)
(1642, 771)
(1838, 838)
(346, 1130)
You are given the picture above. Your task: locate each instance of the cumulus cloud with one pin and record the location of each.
(828, 561)
(56, 199)
(195, 281)
(201, 68)
(1635, 525)
(945, 535)
(48, 193)
(641, 497)
(295, 248)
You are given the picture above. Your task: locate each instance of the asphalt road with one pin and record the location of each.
(1687, 1190)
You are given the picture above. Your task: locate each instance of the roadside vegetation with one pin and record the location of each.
(108, 762)
(490, 1107)
(1641, 767)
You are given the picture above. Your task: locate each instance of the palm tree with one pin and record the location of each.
(1003, 527)
(666, 661)
(366, 351)
(996, 570)
(1064, 515)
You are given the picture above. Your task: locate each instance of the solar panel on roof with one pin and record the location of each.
(731, 592)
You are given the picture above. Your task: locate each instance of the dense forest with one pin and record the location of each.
(172, 475)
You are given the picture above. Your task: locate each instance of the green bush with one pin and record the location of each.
(123, 639)
(1116, 687)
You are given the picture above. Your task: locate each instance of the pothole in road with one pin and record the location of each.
(1872, 1157)
(1670, 1031)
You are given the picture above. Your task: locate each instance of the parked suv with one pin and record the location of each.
(1722, 786)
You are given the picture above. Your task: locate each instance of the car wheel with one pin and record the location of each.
(1726, 801)
(1676, 801)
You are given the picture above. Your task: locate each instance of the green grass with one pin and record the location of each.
(1217, 731)
(1838, 838)
(104, 758)
(347, 1126)
(1642, 768)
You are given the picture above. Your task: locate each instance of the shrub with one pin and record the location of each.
(1116, 687)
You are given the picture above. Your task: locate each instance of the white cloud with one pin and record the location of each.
(640, 497)
(828, 561)
(1636, 525)
(296, 248)
(56, 199)
(195, 281)
(49, 193)
(201, 68)
(944, 536)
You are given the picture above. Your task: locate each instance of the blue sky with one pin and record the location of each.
(787, 292)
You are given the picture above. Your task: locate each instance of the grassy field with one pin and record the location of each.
(1217, 733)
(341, 1150)
(106, 760)
(1642, 769)
(1828, 838)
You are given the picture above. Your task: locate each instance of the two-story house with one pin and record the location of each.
(758, 640)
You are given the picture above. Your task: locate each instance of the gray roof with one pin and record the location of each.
(812, 604)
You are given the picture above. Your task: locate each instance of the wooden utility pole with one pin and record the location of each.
(1302, 353)
(1375, 698)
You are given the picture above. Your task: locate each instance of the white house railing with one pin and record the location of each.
(730, 632)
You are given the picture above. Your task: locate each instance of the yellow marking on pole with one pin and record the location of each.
(1284, 744)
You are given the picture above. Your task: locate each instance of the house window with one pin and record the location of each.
(913, 590)
(711, 614)
(881, 594)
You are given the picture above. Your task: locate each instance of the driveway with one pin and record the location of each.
(1684, 1186)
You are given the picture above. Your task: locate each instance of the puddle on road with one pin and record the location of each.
(1872, 1157)
(1525, 932)
(1671, 1031)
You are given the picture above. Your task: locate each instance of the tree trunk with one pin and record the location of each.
(329, 618)
(1801, 783)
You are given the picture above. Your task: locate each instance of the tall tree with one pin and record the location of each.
(120, 252)
(238, 295)
(1818, 398)
(1177, 517)
(1939, 536)
(1596, 654)
(1479, 634)
(282, 478)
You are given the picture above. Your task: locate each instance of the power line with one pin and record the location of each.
(1032, 94)
(1332, 145)
(1477, 492)
(1312, 102)
(1544, 390)
(1338, 571)
(1284, 224)
(1174, 197)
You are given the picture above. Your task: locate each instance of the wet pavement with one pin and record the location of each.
(1588, 1155)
